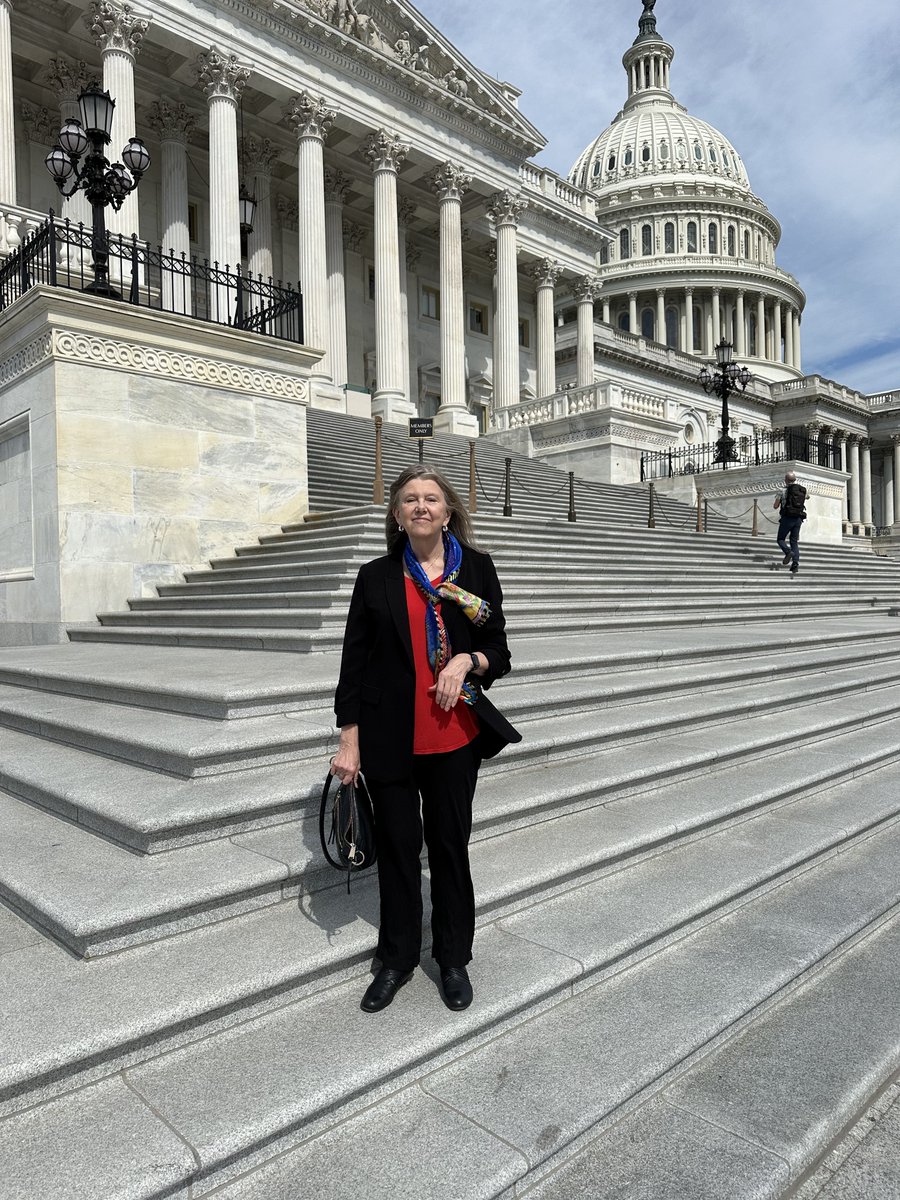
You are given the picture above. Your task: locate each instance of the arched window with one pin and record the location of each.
(646, 239)
(732, 249)
(629, 156)
(648, 323)
(623, 320)
(759, 257)
(596, 169)
(751, 325)
(713, 157)
(746, 243)
(726, 161)
(645, 152)
(663, 151)
(713, 238)
(611, 163)
(624, 243)
(672, 327)
(698, 152)
(670, 237)
(692, 237)
(604, 253)
(698, 327)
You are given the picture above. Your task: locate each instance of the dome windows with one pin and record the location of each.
(681, 150)
(611, 163)
(648, 324)
(732, 247)
(713, 157)
(604, 254)
(672, 327)
(596, 169)
(698, 152)
(669, 235)
(624, 243)
(726, 161)
(663, 151)
(629, 156)
(646, 239)
(713, 238)
(692, 237)
(645, 152)
(746, 243)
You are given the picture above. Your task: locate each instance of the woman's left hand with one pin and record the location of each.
(447, 690)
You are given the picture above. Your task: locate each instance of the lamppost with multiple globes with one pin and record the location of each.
(727, 377)
(102, 183)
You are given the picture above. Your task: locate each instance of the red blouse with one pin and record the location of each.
(436, 731)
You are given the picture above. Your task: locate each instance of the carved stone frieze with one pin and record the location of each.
(259, 155)
(171, 120)
(69, 77)
(505, 208)
(384, 150)
(116, 26)
(413, 254)
(353, 236)
(288, 211)
(26, 359)
(41, 125)
(220, 74)
(450, 182)
(337, 185)
(406, 210)
(309, 116)
(176, 364)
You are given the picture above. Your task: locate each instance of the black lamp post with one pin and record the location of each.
(101, 182)
(726, 378)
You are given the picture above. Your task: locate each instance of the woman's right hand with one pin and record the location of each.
(345, 764)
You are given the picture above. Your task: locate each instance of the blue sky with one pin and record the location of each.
(808, 91)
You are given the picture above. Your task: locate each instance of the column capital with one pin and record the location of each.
(337, 185)
(586, 288)
(220, 74)
(260, 155)
(632, 296)
(309, 116)
(353, 235)
(491, 255)
(171, 120)
(505, 208)
(384, 150)
(69, 77)
(741, 293)
(853, 439)
(450, 182)
(288, 211)
(116, 26)
(41, 125)
(406, 210)
(660, 293)
(895, 438)
(717, 291)
(545, 272)
(413, 254)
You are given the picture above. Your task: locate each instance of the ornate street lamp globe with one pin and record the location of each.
(72, 137)
(97, 108)
(59, 164)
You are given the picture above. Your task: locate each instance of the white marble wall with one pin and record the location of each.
(151, 452)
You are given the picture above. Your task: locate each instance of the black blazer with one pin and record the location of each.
(376, 689)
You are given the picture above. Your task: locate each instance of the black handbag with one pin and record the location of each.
(347, 826)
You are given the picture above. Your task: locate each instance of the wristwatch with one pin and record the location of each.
(476, 665)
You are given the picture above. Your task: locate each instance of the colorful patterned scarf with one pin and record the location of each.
(476, 609)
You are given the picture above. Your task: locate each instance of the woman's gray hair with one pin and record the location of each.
(459, 524)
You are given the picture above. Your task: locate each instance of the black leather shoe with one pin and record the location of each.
(456, 988)
(383, 988)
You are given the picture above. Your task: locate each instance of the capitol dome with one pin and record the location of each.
(693, 255)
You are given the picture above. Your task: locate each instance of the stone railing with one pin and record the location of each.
(721, 262)
(574, 402)
(882, 399)
(552, 187)
(818, 385)
(15, 225)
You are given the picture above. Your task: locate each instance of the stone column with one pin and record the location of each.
(895, 440)
(887, 495)
(7, 141)
(450, 184)
(798, 357)
(586, 289)
(504, 209)
(661, 316)
(260, 156)
(408, 258)
(632, 313)
(717, 315)
(222, 79)
(777, 355)
(336, 185)
(386, 152)
(545, 273)
(840, 440)
(312, 121)
(760, 326)
(173, 123)
(865, 482)
(688, 343)
(118, 30)
(789, 337)
(605, 312)
(740, 347)
(853, 441)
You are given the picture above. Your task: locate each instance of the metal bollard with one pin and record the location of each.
(572, 516)
(754, 532)
(651, 519)
(705, 514)
(378, 481)
(507, 501)
(699, 527)
(473, 491)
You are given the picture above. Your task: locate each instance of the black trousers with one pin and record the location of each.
(435, 800)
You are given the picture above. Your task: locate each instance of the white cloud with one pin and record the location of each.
(808, 93)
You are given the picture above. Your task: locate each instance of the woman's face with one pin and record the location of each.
(421, 508)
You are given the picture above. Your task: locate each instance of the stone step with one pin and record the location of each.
(104, 898)
(607, 1019)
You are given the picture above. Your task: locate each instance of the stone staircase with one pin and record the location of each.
(686, 960)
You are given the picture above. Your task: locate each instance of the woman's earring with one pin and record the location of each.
(400, 527)
(446, 527)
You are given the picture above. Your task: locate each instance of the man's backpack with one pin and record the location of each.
(794, 500)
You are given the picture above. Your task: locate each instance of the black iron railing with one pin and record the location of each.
(58, 253)
(764, 448)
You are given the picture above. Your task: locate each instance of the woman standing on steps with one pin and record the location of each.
(424, 636)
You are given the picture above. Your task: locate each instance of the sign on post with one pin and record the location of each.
(421, 427)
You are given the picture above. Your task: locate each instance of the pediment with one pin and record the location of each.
(403, 45)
